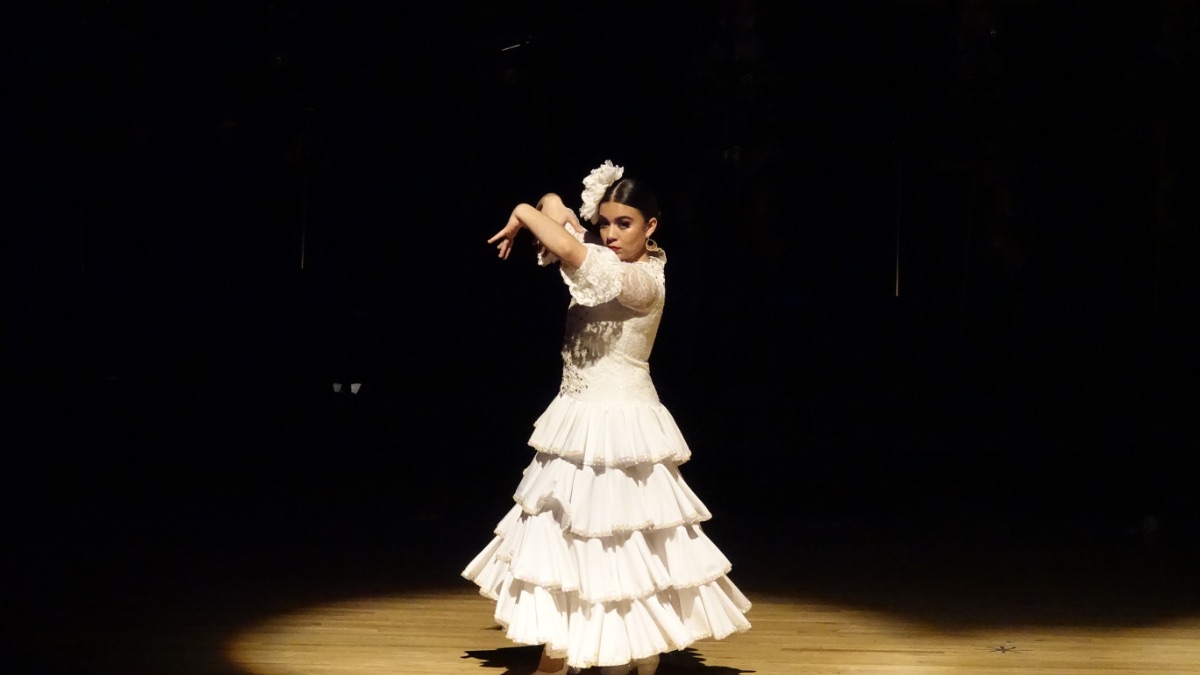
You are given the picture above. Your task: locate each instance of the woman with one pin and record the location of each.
(602, 558)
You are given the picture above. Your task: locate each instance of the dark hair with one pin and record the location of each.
(631, 192)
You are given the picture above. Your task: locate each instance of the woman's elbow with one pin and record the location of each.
(574, 257)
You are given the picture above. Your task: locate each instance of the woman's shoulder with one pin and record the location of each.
(656, 259)
(655, 263)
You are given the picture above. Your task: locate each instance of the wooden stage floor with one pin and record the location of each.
(203, 544)
(270, 587)
(426, 633)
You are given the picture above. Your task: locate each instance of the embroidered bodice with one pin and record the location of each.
(612, 321)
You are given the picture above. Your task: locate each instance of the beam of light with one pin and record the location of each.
(388, 634)
(453, 632)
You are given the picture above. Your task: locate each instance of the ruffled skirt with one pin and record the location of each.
(602, 557)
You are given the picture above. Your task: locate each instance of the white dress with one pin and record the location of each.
(602, 558)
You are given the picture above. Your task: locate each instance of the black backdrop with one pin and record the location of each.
(222, 209)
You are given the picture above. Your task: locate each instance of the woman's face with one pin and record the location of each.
(625, 230)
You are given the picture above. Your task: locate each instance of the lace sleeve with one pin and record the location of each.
(597, 280)
(640, 291)
(603, 277)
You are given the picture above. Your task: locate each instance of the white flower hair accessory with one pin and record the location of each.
(594, 186)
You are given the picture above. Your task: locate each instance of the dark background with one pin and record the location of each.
(220, 209)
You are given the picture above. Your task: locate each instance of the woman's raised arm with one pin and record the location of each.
(549, 231)
(552, 205)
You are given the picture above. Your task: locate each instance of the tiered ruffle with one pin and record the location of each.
(609, 434)
(602, 557)
(594, 501)
(628, 566)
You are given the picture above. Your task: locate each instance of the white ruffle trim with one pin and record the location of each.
(602, 635)
(603, 501)
(621, 567)
(597, 280)
(609, 634)
(671, 588)
(610, 434)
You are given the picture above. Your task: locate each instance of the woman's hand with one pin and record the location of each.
(506, 236)
(545, 229)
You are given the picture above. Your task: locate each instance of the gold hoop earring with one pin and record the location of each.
(651, 245)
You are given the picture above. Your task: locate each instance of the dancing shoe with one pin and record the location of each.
(645, 666)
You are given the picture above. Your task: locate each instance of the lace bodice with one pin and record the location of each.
(612, 321)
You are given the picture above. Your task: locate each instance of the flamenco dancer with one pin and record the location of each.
(602, 559)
